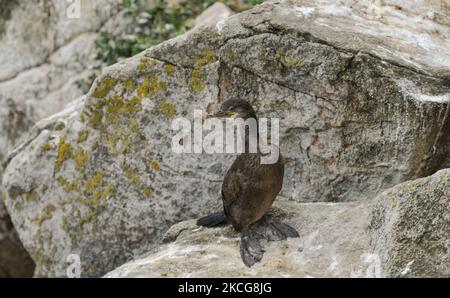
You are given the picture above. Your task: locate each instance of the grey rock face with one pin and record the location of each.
(410, 228)
(358, 113)
(333, 243)
(44, 51)
(214, 14)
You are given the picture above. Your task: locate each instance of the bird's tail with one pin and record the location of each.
(212, 220)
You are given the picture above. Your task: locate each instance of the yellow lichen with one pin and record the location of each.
(64, 153)
(81, 158)
(169, 69)
(30, 196)
(155, 165)
(168, 109)
(82, 136)
(150, 86)
(230, 55)
(394, 202)
(60, 126)
(68, 186)
(90, 186)
(198, 77)
(146, 63)
(129, 86)
(104, 87)
(136, 180)
(289, 60)
(47, 214)
(46, 147)
(147, 191)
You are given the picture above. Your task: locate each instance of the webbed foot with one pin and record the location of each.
(251, 250)
(273, 229)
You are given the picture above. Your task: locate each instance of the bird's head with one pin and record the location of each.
(235, 108)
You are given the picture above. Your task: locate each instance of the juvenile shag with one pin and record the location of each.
(248, 191)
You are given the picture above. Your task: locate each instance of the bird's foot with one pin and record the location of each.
(273, 229)
(251, 250)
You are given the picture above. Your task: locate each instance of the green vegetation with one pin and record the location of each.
(151, 25)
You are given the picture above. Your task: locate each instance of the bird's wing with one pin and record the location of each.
(231, 189)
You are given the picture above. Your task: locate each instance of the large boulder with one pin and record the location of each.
(333, 243)
(45, 49)
(359, 113)
(410, 228)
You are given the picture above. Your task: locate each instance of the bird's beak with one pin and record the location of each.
(222, 114)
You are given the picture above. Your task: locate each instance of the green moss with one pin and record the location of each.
(82, 136)
(169, 69)
(155, 165)
(104, 87)
(168, 109)
(47, 214)
(64, 153)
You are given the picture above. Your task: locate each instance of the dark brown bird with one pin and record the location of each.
(248, 191)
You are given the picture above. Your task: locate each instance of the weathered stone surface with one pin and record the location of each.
(359, 113)
(410, 227)
(44, 52)
(333, 243)
(213, 14)
(35, 30)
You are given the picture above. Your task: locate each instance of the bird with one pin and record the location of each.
(248, 192)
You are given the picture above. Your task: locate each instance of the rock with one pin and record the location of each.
(44, 52)
(214, 14)
(333, 243)
(14, 260)
(358, 113)
(34, 31)
(410, 228)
